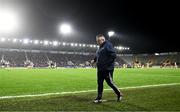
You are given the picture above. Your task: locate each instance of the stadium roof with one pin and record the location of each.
(144, 26)
(49, 43)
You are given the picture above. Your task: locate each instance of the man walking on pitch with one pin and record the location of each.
(105, 57)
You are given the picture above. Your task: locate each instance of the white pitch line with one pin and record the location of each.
(85, 91)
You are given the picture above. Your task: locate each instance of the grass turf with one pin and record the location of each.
(35, 81)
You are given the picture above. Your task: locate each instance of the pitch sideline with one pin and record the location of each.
(75, 92)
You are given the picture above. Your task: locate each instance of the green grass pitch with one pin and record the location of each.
(15, 82)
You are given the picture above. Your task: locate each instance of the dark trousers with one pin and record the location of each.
(108, 76)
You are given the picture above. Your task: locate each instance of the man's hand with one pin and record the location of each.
(92, 61)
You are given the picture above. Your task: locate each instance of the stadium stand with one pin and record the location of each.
(40, 58)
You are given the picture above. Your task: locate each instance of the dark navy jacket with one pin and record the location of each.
(105, 56)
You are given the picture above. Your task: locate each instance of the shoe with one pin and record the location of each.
(119, 98)
(97, 100)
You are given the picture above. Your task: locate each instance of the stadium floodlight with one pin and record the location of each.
(65, 29)
(8, 21)
(14, 40)
(64, 43)
(75, 44)
(50, 43)
(36, 42)
(157, 54)
(72, 44)
(41, 42)
(55, 43)
(3, 39)
(94, 46)
(80, 45)
(91, 45)
(25, 41)
(9, 39)
(83, 45)
(111, 33)
(46, 42)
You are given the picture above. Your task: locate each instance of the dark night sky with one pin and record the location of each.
(145, 26)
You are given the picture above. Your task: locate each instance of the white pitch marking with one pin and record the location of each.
(85, 91)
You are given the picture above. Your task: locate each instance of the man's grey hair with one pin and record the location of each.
(100, 35)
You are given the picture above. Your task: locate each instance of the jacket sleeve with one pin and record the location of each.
(111, 51)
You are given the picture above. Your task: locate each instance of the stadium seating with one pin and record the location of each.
(16, 58)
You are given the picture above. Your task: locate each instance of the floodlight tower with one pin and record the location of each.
(8, 21)
(65, 29)
(111, 33)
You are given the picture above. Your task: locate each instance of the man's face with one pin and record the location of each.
(100, 40)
